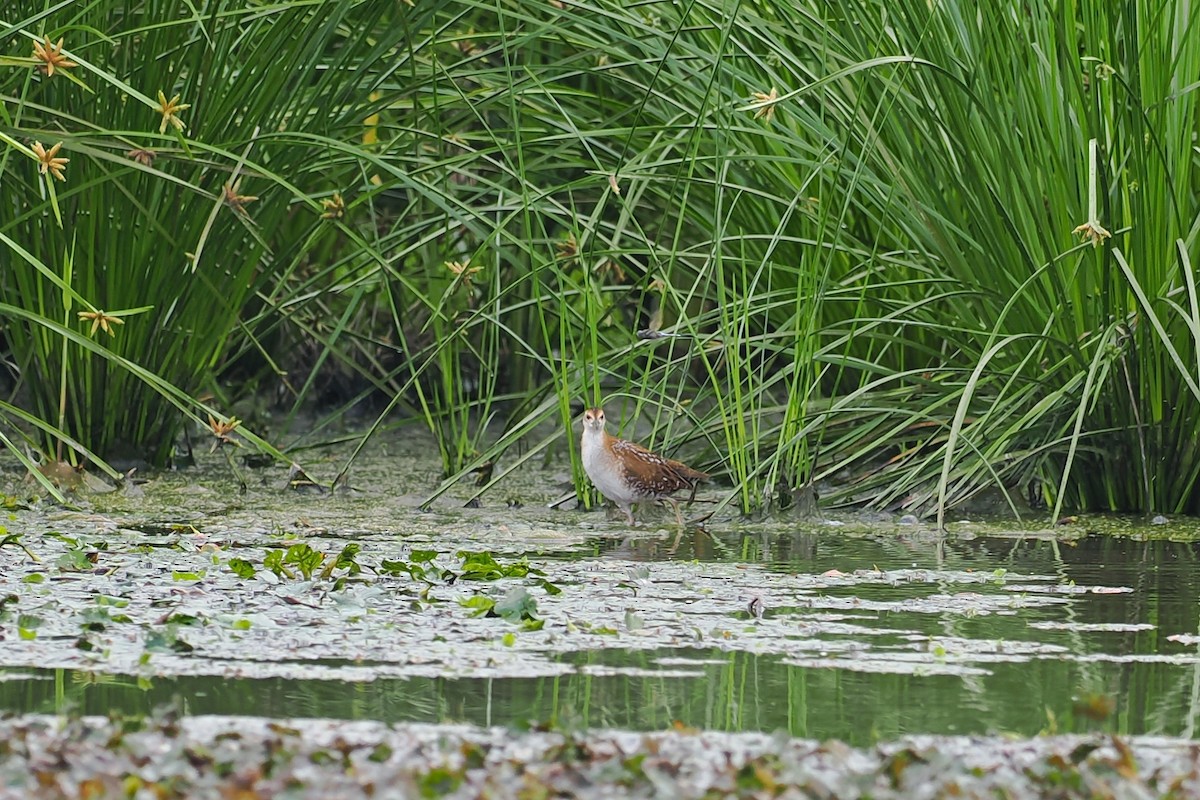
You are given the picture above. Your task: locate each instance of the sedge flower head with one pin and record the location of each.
(169, 109)
(49, 161)
(51, 56)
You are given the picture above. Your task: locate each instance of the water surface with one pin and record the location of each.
(869, 629)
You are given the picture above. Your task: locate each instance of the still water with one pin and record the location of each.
(1105, 638)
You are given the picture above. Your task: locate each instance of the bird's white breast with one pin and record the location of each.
(605, 469)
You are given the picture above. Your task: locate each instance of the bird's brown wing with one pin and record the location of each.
(688, 474)
(652, 473)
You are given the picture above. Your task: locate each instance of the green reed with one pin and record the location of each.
(864, 220)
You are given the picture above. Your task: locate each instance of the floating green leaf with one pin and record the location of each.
(482, 605)
(76, 559)
(516, 605)
(242, 568)
(439, 782)
(27, 625)
(304, 558)
(274, 562)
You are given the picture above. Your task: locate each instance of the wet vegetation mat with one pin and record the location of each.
(223, 757)
(453, 623)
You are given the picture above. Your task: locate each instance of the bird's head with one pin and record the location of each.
(593, 420)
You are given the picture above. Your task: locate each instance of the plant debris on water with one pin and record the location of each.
(230, 598)
(221, 757)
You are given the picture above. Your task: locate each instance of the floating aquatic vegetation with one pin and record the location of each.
(187, 584)
(168, 755)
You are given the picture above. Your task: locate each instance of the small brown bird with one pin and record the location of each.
(628, 473)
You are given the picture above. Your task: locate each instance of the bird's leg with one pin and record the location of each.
(675, 505)
(628, 509)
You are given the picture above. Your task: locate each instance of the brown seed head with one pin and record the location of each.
(51, 56)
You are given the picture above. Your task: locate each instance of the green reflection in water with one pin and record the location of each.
(731, 692)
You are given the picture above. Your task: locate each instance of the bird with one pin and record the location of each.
(628, 473)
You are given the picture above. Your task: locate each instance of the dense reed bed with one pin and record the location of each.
(912, 251)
